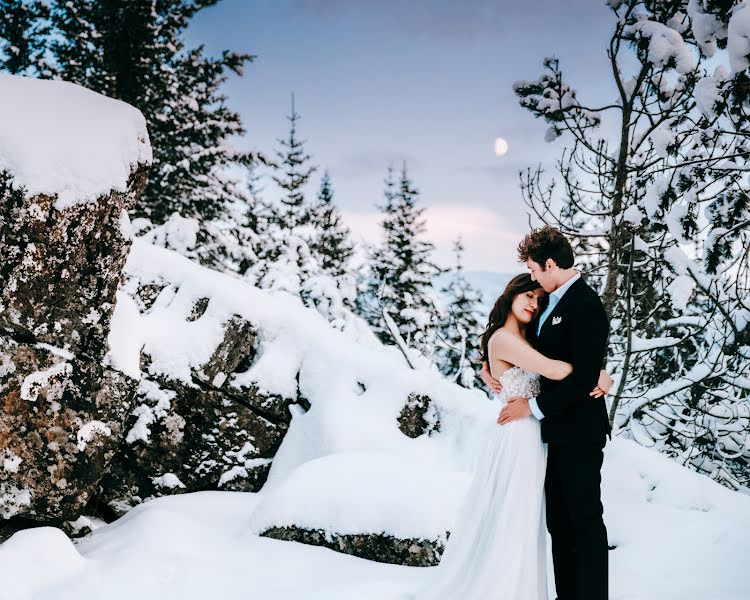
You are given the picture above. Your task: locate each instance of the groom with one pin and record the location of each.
(573, 328)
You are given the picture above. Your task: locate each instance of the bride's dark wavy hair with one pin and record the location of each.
(520, 284)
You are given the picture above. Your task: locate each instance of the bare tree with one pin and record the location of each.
(654, 195)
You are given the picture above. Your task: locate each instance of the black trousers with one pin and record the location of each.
(575, 521)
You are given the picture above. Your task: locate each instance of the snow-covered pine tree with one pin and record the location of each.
(331, 240)
(23, 37)
(303, 247)
(285, 254)
(659, 214)
(255, 214)
(460, 326)
(292, 172)
(134, 50)
(402, 273)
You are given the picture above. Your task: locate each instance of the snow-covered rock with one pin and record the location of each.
(63, 140)
(225, 367)
(346, 475)
(677, 536)
(186, 342)
(72, 163)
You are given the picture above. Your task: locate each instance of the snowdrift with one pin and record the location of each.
(345, 467)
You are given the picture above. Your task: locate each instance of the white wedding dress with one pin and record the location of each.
(497, 546)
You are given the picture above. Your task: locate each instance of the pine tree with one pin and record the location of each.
(23, 37)
(402, 273)
(286, 224)
(460, 326)
(331, 240)
(303, 246)
(292, 173)
(134, 50)
(255, 214)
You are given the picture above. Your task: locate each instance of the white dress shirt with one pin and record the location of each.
(554, 298)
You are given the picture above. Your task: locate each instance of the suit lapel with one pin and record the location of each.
(572, 290)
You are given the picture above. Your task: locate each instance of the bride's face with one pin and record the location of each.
(526, 305)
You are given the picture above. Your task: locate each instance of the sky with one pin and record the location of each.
(425, 83)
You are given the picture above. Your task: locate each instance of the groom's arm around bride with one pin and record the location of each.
(577, 333)
(574, 329)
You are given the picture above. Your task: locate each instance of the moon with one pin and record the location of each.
(501, 146)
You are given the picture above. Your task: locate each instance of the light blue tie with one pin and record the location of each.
(553, 299)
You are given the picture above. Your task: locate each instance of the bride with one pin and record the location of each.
(497, 546)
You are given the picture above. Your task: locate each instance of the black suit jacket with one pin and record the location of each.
(575, 331)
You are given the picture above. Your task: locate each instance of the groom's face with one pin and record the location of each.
(544, 277)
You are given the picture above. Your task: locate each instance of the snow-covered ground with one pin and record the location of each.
(684, 539)
(344, 466)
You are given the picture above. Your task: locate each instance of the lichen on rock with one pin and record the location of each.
(72, 163)
(60, 424)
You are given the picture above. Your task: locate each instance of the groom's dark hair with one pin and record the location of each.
(546, 242)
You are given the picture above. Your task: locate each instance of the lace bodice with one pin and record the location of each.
(518, 382)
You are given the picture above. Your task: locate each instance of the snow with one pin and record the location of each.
(148, 414)
(34, 382)
(677, 534)
(633, 215)
(168, 480)
(43, 556)
(677, 259)
(639, 344)
(673, 220)
(665, 45)
(654, 193)
(354, 492)
(89, 431)
(680, 289)
(738, 40)
(706, 27)
(662, 138)
(11, 461)
(177, 233)
(75, 144)
(12, 498)
(707, 94)
(343, 467)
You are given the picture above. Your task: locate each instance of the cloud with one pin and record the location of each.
(490, 240)
(363, 163)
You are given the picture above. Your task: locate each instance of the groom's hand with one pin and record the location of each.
(517, 408)
(489, 380)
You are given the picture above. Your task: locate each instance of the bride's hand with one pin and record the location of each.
(489, 380)
(603, 385)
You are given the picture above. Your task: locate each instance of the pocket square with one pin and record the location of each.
(556, 320)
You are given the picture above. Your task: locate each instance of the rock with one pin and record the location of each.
(185, 439)
(372, 546)
(61, 421)
(235, 352)
(203, 435)
(61, 268)
(64, 239)
(419, 416)
(234, 355)
(271, 406)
